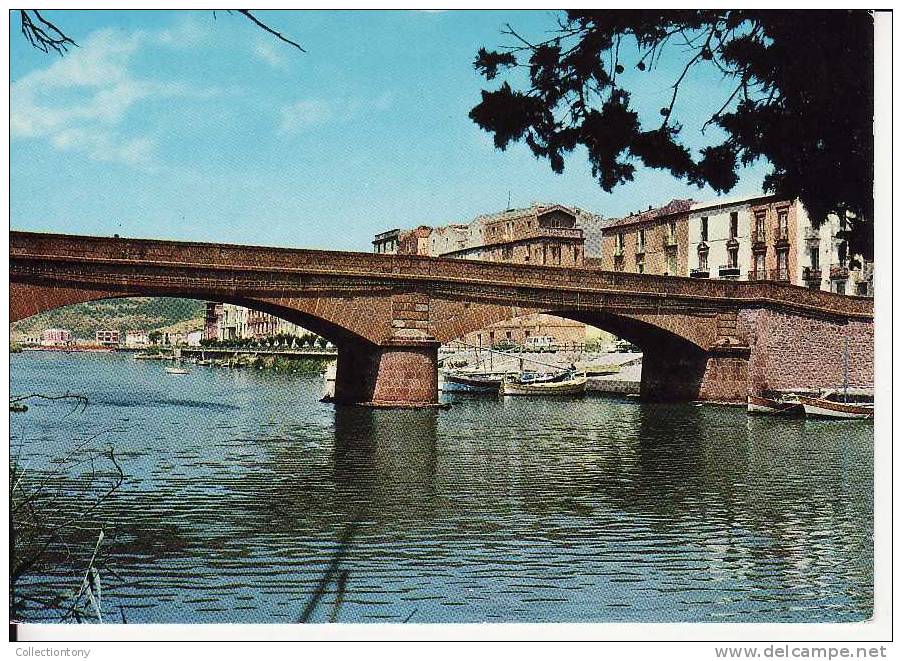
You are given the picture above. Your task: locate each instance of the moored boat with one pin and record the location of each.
(472, 382)
(820, 407)
(571, 383)
(764, 406)
(176, 370)
(148, 356)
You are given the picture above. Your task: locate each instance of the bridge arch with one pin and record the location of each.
(338, 319)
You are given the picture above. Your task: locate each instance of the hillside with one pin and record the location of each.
(124, 314)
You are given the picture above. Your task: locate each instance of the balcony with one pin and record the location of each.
(728, 271)
(839, 272)
(640, 248)
(669, 242)
(758, 275)
(811, 274)
(780, 275)
(781, 236)
(813, 235)
(700, 272)
(759, 238)
(556, 232)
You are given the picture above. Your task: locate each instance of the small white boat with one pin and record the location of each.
(574, 383)
(819, 407)
(176, 370)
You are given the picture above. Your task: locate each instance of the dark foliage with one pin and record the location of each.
(799, 91)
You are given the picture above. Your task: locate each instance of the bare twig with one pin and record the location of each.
(263, 26)
(42, 34)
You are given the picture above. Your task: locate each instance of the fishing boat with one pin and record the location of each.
(828, 404)
(784, 406)
(477, 383)
(821, 407)
(566, 383)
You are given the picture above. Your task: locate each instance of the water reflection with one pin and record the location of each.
(241, 483)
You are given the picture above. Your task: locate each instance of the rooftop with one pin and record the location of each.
(672, 207)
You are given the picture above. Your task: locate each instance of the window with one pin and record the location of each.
(507, 252)
(783, 224)
(703, 236)
(640, 267)
(840, 286)
(671, 264)
(733, 258)
(760, 219)
(640, 241)
(734, 224)
(671, 232)
(841, 250)
(703, 260)
(556, 254)
(618, 246)
(759, 265)
(815, 258)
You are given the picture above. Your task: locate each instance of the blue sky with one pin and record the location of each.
(181, 125)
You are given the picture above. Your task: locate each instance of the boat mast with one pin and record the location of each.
(845, 369)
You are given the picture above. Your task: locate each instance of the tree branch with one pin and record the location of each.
(263, 26)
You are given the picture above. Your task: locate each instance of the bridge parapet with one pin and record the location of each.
(279, 264)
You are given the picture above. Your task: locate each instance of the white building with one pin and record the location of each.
(193, 338)
(136, 339)
(448, 238)
(766, 238)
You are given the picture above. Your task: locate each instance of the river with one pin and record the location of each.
(240, 483)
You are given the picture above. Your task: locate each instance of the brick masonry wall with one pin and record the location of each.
(790, 351)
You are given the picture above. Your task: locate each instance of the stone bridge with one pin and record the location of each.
(388, 314)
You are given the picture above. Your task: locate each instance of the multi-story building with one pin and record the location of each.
(543, 234)
(651, 241)
(561, 332)
(55, 337)
(224, 321)
(109, 338)
(546, 235)
(448, 239)
(415, 241)
(767, 238)
(386, 243)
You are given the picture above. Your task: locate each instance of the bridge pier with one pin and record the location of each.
(397, 373)
(720, 374)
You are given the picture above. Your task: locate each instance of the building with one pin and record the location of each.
(225, 322)
(652, 241)
(415, 241)
(193, 338)
(525, 331)
(108, 338)
(448, 239)
(56, 337)
(136, 339)
(386, 243)
(546, 235)
(768, 238)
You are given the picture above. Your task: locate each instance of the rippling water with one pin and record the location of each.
(240, 484)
